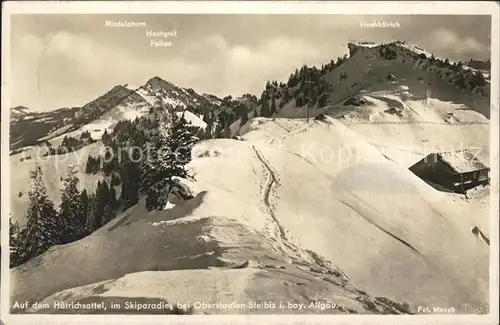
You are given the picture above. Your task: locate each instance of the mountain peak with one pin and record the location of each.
(19, 112)
(158, 82)
(109, 99)
(20, 109)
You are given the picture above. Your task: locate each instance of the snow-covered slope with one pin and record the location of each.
(458, 76)
(27, 128)
(193, 119)
(202, 250)
(409, 73)
(318, 211)
(408, 248)
(126, 110)
(293, 190)
(53, 168)
(99, 109)
(119, 103)
(19, 113)
(171, 94)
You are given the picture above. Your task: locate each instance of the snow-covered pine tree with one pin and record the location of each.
(170, 152)
(156, 146)
(72, 217)
(180, 143)
(158, 140)
(16, 244)
(41, 230)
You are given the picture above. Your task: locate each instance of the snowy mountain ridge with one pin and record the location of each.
(457, 74)
(121, 102)
(19, 112)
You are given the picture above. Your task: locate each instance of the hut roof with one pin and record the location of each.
(462, 161)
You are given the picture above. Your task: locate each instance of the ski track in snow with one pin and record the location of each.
(281, 126)
(270, 183)
(299, 129)
(272, 180)
(302, 256)
(292, 132)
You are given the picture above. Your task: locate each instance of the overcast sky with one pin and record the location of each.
(67, 60)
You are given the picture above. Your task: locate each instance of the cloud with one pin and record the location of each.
(212, 65)
(59, 62)
(274, 59)
(237, 69)
(71, 69)
(446, 40)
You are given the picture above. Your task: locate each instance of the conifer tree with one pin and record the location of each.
(115, 180)
(286, 98)
(84, 199)
(227, 130)
(181, 142)
(112, 198)
(72, 218)
(89, 165)
(106, 204)
(150, 154)
(41, 230)
(219, 126)
(244, 119)
(300, 100)
(152, 198)
(273, 106)
(91, 223)
(208, 118)
(100, 205)
(264, 110)
(17, 244)
(130, 176)
(106, 138)
(171, 151)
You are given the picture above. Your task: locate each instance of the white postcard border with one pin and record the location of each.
(253, 7)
